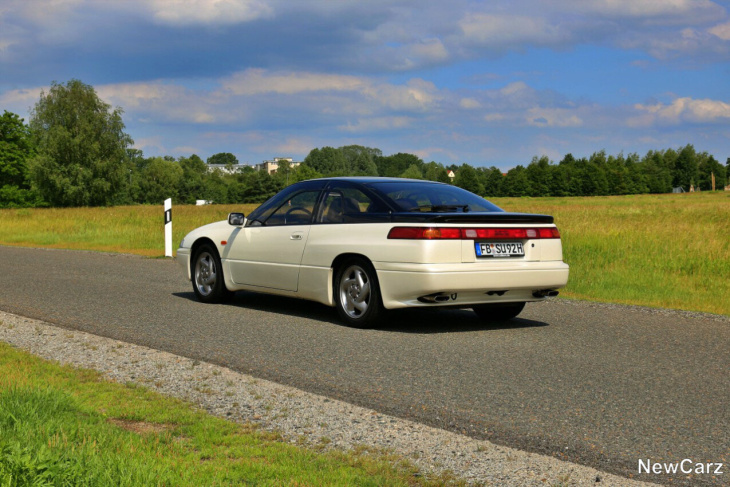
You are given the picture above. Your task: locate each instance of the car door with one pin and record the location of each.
(269, 254)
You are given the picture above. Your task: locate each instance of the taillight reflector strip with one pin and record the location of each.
(452, 233)
(425, 233)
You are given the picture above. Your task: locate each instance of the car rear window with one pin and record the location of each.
(432, 197)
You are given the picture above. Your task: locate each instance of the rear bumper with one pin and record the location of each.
(402, 284)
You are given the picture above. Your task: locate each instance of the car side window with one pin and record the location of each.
(332, 208)
(296, 210)
(346, 204)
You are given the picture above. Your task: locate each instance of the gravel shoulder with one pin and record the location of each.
(299, 416)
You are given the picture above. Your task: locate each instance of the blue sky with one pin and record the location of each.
(482, 82)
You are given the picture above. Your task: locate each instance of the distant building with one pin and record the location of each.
(226, 169)
(272, 166)
(451, 175)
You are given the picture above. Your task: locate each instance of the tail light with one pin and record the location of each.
(452, 233)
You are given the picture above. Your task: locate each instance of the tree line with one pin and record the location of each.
(74, 152)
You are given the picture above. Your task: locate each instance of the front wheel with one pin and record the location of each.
(498, 312)
(357, 294)
(207, 273)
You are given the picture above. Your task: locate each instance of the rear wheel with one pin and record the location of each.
(208, 283)
(357, 293)
(498, 312)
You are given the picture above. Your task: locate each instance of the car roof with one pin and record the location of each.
(375, 179)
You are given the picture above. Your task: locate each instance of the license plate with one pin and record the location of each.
(499, 249)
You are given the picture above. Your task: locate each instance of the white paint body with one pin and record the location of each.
(297, 260)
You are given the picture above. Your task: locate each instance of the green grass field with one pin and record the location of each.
(670, 251)
(655, 250)
(65, 426)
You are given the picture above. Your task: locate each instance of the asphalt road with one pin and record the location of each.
(600, 385)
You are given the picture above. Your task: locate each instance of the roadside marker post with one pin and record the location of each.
(168, 227)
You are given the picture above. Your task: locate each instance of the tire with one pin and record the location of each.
(207, 276)
(357, 293)
(498, 312)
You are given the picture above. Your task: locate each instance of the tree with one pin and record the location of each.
(259, 186)
(637, 179)
(413, 172)
(393, 166)
(224, 158)
(361, 160)
(15, 150)
(516, 183)
(161, 180)
(433, 171)
(364, 166)
(283, 173)
(617, 175)
(709, 166)
(657, 172)
(328, 161)
(81, 147)
(193, 185)
(686, 170)
(493, 180)
(468, 179)
(540, 175)
(589, 178)
(303, 172)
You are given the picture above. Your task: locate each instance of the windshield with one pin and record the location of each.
(433, 197)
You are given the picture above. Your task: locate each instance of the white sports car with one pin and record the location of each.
(365, 245)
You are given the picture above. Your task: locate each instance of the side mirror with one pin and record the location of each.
(236, 219)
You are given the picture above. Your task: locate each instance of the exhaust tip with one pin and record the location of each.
(545, 293)
(438, 298)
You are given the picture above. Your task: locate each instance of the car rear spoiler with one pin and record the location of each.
(471, 217)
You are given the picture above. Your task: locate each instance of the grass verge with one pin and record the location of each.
(65, 426)
(669, 251)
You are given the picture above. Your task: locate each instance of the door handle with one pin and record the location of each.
(296, 236)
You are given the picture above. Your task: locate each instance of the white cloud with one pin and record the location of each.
(514, 88)
(159, 101)
(291, 145)
(679, 111)
(469, 103)
(185, 149)
(648, 8)
(495, 117)
(722, 31)
(430, 50)
(18, 101)
(150, 144)
(260, 81)
(187, 12)
(376, 124)
(21, 101)
(42, 12)
(498, 30)
(663, 28)
(414, 95)
(553, 117)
